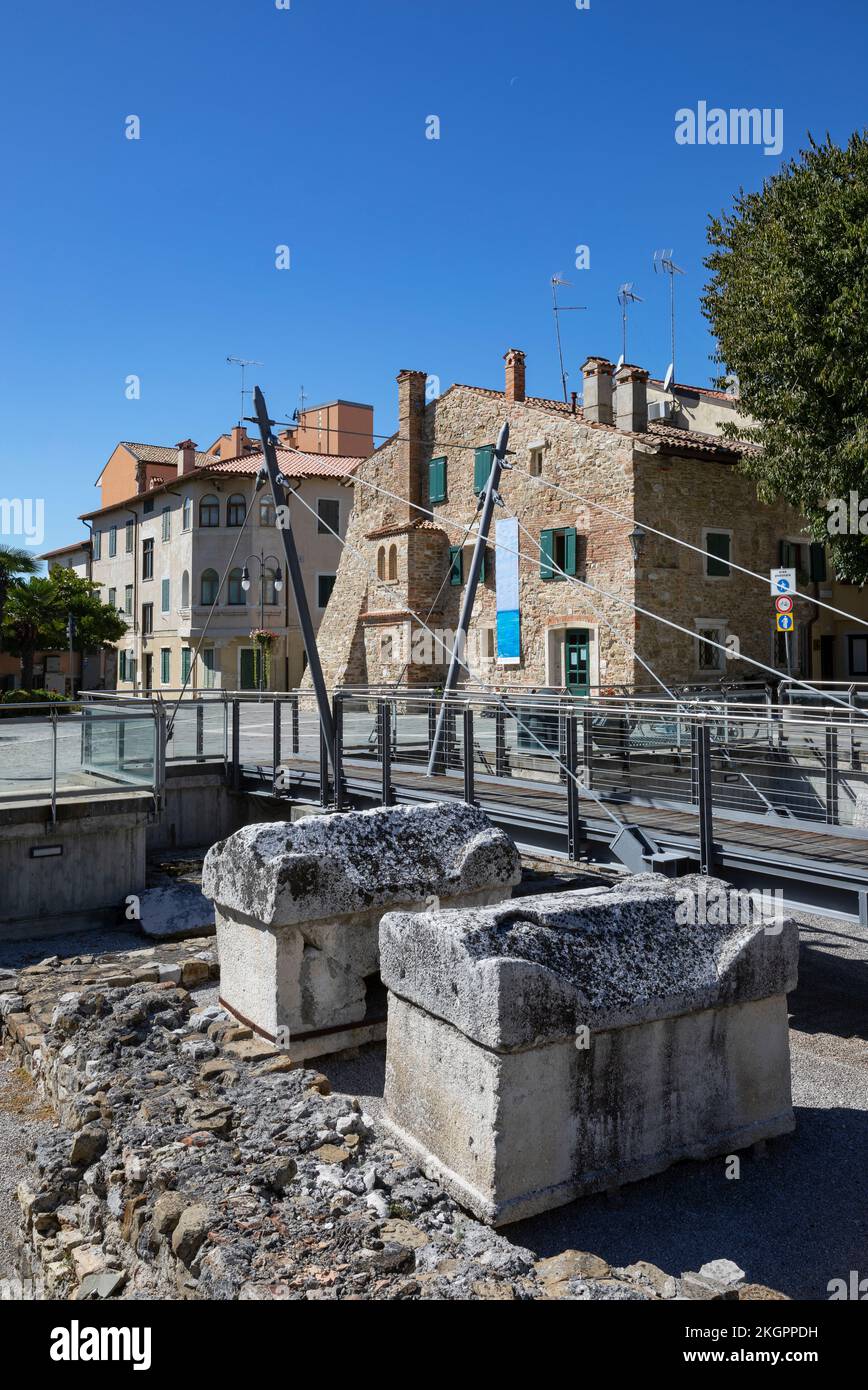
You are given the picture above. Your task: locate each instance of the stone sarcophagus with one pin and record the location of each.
(298, 907)
(564, 1044)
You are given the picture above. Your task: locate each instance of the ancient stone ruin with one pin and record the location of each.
(298, 908)
(567, 1043)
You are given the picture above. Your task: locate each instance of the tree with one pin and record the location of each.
(788, 304)
(36, 618)
(12, 563)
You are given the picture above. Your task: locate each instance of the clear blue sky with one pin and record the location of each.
(262, 126)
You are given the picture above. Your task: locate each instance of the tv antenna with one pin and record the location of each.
(243, 363)
(626, 296)
(664, 265)
(557, 310)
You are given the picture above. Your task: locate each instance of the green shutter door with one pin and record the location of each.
(456, 565)
(717, 545)
(570, 551)
(437, 480)
(547, 547)
(482, 467)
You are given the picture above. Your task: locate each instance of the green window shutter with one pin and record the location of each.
(122, 666)
(547, 550)
(186, 654)
(456, 563)
(570, 549)
(482, 467)
(818, 563)
(717, 543)
(788, 556)
(437, 480)
(164, 596)
(165, 658)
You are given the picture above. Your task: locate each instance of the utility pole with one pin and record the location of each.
(490, 496)
(293, 569)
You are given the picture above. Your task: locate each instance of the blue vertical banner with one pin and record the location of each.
(506, 589)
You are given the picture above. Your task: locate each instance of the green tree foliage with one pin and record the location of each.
(36, 616)
(13, 562)
(788, 304)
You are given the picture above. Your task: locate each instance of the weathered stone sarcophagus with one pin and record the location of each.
(564, 1044)
(298, 907)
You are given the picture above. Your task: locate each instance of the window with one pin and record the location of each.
(236, 510)
(147, 619)
(268, 582)
(167, 523)
(129, 533)
(165, 591)
(536, 461)
(148, 559)
(209, 511)
(186, 664)
(392, 568)
(236, 594)
(128, 600)
(185, 590)
(817, 563)
(187, 515)
(710, 657)
(148, 506)
(456, 565)
(209, 582)
(857, 647)
(328, 516)
(559, 552)
(267, 514)
(209, 662)
(113, 541)
(437, 480)
(113, 598)
(386, 647)
(381, 562)
(122, 666)
(165, 665)
(324, 585)
(482, 467)
(719, 547)
(489, 643)
(97, 545)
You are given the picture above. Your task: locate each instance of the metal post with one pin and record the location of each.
(385, 731)
(276, 712)
(278, 482)
(572, 763)
(702, 747)
(500, 742)
(295, 739)
(432, 725)
(200, 733)
(468, 755)
(236, 745)
(337, 760)
(831, 775)
(588, 746)
(53, 714)
(325, 753)
(457, 659)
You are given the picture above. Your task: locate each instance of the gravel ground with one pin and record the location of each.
(793, 1220)
(23, 1120)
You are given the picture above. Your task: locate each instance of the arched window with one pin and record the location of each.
(267, 514)
(236, 510)
(386, 647)
(236, 593)
(185, 589)
(210, 581)
(381, 562)
(268, 581)
(209, 511)
(393, 564)
(188, 513)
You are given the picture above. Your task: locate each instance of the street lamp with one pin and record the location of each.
(637, 540)
(278, 585)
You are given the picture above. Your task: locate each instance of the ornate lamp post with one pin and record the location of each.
(278, 585)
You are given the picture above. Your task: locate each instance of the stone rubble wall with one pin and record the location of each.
(194, 1161)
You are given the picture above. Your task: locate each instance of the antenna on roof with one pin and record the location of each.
(664, 265)
(243, 362)
(558, 309)
(626, 296)
(618, 365)
(670, 372)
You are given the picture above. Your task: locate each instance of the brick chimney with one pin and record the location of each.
(186, 457)
(631, 399)
(411, 450)
(515, 366)
(597, 401)
(238, 440)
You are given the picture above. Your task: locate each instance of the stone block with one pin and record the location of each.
(298, 906)
(567, 1043)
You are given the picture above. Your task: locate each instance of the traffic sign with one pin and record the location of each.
(785, 622)
(783, 581)
(783, 603)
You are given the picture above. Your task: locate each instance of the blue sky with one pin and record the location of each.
(307, 127)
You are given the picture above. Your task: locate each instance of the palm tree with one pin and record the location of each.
(13, 562)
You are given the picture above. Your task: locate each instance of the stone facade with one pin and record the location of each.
(667, 476)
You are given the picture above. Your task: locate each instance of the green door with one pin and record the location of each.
(577, 661)
(249, 674)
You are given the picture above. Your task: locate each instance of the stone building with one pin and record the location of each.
(632, 447)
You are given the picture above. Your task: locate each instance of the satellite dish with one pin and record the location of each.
(667, 380)
(619, 364)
